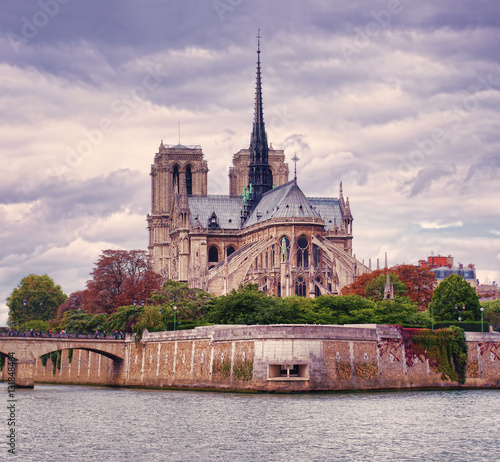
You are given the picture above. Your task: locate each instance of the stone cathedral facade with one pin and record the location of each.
(265, 231)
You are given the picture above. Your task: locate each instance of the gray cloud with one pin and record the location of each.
(404, 121)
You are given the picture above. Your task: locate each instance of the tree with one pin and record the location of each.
(453, 292)
(123, 319)
(150, 319)
(419, 281)
(191, 303)
(42, 297)
(401, 310)
(492, 312)
(79, 321)
(119, 278)
(374, 289)
(358, 286)
(74, 302)
(243, 306)
(344, 309)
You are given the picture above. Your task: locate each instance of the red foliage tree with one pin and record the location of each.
(74, 302)
(119, 278)
(420, 282)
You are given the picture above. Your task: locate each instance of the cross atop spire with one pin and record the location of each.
(295, 159)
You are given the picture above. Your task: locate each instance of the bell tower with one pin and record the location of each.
(177, 170)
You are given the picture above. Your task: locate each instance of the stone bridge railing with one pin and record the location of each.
(25, 350)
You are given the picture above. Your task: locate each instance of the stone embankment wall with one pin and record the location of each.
(271, 358)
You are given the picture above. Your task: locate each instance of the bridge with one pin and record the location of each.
(26, 350)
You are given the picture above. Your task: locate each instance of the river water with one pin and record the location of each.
(72, 423)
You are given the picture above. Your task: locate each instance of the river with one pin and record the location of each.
(73, 423)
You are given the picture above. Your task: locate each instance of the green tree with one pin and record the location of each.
(401, 310)
(492, 313)
(374, 289)
(79, 321)
(123, 319)
(453, 292)
(42, 297)
(150, 319)
(344, 309)
(192, 304)
(243, 306)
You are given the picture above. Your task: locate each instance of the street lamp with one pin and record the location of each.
(25, 303)
(460, 311)
(482, 310)
(175, 315)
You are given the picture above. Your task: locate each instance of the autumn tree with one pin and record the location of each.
(358, 286)
(419, 281)
(74, 302)
(42, 297)
(375, 289)
(119, 278)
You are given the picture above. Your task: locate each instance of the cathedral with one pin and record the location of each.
(265, 232)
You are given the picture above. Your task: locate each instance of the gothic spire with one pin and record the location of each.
(259, 174)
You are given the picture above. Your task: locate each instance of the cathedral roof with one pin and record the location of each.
(285, 201)
(329, 209)
(226, 208)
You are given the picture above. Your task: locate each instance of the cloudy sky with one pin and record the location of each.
(398, 99)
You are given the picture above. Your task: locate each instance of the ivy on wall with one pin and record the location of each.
(344, 371)
(70, 355)
(366, 371)
(55, 357)
(222, 369)
(243, 370)
(2, 362)
(446, 350)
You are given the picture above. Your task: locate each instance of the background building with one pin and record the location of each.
(443, 267)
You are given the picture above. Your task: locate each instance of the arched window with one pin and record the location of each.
(175, 178)
(213, 254)
(317, 291)
(264, 285)
(189, 180)
(302, 252)
(300, 287)
(284, 249)
(279, 289)
(316, 256)
(230, 250)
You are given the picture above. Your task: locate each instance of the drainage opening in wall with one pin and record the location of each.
(288, 372)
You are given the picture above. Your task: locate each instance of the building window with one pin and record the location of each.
(316, 256)
(189, 180)
(317, 291)
(287, 372)
(175, 179)
(300, 287)
(213, 254)
(302, 252)
(279, 289)
(230, 250)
